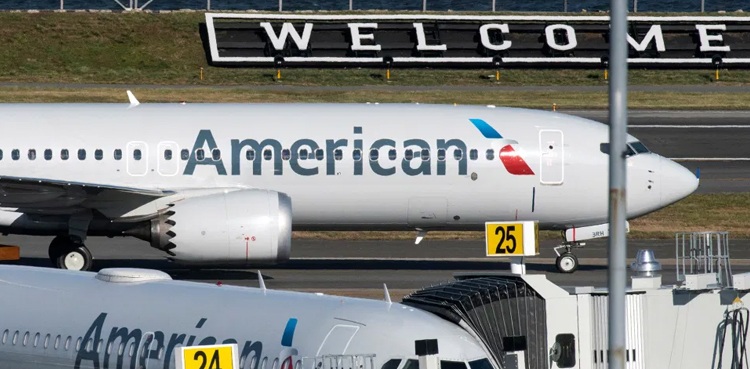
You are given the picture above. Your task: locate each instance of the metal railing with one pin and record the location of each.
(393, 5)
(704, 252)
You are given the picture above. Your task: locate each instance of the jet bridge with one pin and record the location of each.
(526, 321)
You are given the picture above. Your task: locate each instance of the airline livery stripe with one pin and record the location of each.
(485, 128)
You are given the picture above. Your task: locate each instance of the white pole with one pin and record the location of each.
(280, 5)
(424, 5)
(62, 7)
(208, 4)
(618, 126)
(493, 5)
(350, 5)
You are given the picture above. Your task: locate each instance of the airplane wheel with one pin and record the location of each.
(76, 257)
(567, 263)
(56, 247)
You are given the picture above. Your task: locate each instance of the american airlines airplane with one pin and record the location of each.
(215, 183)
(141, 318)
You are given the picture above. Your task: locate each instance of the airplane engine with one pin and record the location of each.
(239, 227)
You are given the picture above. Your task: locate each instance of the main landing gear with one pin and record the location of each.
(69, 252)
(566, 261)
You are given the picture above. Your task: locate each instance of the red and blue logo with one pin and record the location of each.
(510, 158)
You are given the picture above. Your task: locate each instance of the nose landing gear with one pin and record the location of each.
(566, 261)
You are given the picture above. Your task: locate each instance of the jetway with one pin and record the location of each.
(526, 321)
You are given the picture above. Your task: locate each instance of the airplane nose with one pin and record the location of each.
(677, 182)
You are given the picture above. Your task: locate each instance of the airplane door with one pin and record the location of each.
(337, 340)
(168, 162)
(552, 157)
(427, 211)
(137, 158)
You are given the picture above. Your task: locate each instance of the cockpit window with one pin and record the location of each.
(447, 364)
(480, 364)
(391, 364)
(639, 147)
(411, 364)
(629, 151)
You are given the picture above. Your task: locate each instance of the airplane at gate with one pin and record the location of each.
(272, 329)
(215, 183)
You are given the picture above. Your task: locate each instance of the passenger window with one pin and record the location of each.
(267, 154)
(250, 154)
(81, 154)
(285, 154)
(319, 154)
(200, 154)
(57, 342)
(78, 344)
(15, 338)
(36, 339)
(216, 154)
(109, 348)
(98, 154)
(46, 341)
(15, 154)
(1, 154)
(441, 155)
(338, 154)
(425, 154)
(357, 155)
(132, 349)
(47, 154)
(264, 362)
(458, 154)
(137, 155)
(473, 154)
(303, 154)
(185, 154)
(392, 153)
(67, 343)
(5, 336)
(121, 349)
(118, 154)
(26, 338)
(391, 364)
(32, 154)
(374, 154)
(490, 154)
(409, 154)
(64, 154)
(167, 154)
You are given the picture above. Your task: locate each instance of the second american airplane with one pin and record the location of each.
(215, 183)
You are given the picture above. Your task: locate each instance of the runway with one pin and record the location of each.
(713, 141)
(360, 268)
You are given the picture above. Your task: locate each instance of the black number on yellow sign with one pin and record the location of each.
(214, 362)
(511, 247)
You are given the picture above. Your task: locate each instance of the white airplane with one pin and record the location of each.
(141, 319)
(215, 183)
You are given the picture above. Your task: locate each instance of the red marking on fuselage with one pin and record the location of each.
(513, 162)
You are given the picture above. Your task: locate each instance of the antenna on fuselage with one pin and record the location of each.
(386, 294)
(261, 283)
(133, 101)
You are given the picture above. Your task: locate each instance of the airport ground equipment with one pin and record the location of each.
(526, 321)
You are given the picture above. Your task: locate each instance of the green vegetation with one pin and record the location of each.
(166, 48)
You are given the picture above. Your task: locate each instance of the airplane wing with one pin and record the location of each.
(39, 195)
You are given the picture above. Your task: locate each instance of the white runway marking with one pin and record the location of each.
(687, 126)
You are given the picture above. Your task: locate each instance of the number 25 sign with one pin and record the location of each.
(511, 238)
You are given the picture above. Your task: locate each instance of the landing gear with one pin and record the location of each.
(566, 262)
(69, 252)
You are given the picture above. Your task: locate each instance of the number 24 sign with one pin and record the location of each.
(208, 357)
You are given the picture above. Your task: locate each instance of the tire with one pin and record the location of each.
(567, 263)
(57, 246)
(77, 257)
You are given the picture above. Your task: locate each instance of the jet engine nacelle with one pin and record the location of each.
(239, 227)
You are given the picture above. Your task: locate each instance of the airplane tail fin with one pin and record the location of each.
(133, 101)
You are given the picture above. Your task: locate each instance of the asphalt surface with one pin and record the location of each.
(360, 268)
